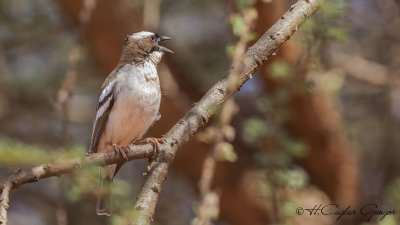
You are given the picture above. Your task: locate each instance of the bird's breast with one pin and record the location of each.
(136, 105)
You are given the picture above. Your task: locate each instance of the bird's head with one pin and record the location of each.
(141, 46)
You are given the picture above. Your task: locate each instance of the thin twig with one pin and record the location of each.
(4, 200)
(65, 91)
(64, 96)
(361, 68)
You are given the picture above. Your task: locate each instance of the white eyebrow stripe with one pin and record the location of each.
(141, 34)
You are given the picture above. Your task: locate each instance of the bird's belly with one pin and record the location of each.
(133, 113)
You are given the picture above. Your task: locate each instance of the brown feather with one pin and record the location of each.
(99, 127)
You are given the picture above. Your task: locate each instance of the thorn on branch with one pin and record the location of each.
(204, 119)
(258, 61)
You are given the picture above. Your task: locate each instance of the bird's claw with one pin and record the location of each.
(120, 150)
(154, 141)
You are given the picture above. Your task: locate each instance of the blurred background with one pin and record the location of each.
(318, 124)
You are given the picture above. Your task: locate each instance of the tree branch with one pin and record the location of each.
(197, 117)
(58, 168)
(256, 55)
(4, 200)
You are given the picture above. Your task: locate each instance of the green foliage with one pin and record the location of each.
(295, 148)
(254, 129)
(329, 24)
(388, 220)
(307, 86)
(280, 69)
(296, 179)
(264, 105)
(392, 194)
(243, 4)
(276, 159)
(338, 33)
(335, 9)
(288, 209)
(237, 23)
(230, 49)
(264, 187)
(124, 217)
(251, 36)
(225, 152)
(82, 183)
(13, 152)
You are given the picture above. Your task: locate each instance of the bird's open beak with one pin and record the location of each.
(162, 48)
(164, 38)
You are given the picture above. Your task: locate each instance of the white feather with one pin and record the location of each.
(141, 34)
(106, 91)
(101, 110)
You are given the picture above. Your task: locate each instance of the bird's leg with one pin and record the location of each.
(154, 141)
(120, 150)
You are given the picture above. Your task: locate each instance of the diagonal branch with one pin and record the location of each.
(4, 200)
(197, 117)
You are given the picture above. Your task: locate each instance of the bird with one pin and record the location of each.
(128, 105)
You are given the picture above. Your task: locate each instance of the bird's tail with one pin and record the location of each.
(105, 188)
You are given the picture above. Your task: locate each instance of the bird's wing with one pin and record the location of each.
(104, 107)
